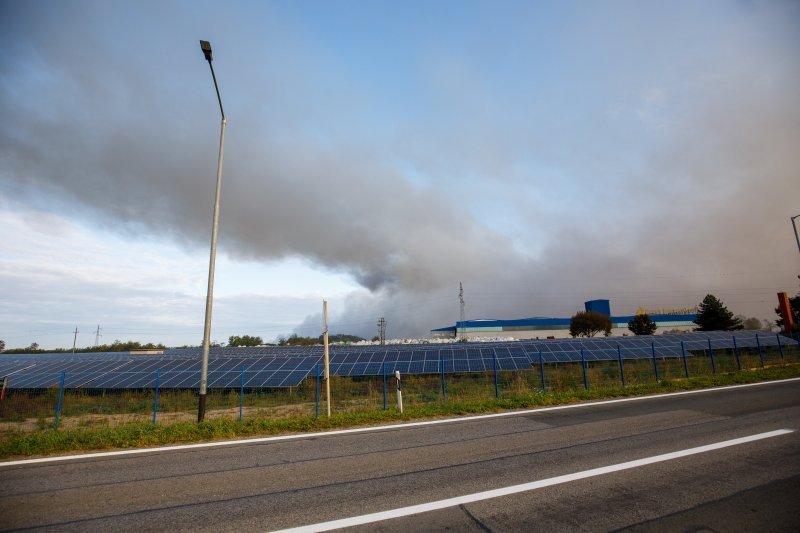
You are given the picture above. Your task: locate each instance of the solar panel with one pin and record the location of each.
(274, 366)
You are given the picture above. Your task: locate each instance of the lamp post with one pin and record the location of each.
(201, 412)
(794, 226)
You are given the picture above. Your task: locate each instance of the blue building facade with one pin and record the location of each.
(599, 306)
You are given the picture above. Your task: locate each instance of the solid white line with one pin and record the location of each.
(515, 489)
(297, 436)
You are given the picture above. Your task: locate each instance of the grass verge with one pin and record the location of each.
(138, 435)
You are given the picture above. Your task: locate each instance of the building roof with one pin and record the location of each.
(664, 320)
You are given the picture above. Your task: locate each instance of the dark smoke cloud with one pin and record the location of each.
(677, 180)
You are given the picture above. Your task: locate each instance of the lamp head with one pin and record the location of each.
(206, 47)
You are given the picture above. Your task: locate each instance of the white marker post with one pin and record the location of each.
(399, 392)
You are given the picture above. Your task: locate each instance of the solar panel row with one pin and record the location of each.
(272, 366)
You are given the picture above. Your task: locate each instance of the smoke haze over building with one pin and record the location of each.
(543, 154)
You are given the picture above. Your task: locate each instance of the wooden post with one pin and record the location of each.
(327, 358)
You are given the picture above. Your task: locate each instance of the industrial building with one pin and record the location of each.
(680, 320)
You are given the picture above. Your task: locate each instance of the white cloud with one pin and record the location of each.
(56, 273)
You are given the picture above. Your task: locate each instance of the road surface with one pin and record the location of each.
(719, 484)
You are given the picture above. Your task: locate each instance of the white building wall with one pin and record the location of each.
(564, 333)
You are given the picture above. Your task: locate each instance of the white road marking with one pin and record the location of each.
(298, 436)
(515, 489)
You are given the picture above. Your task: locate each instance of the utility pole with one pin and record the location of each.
(75, 339)
(97, 337)
(201, 410)
(382, 330)
(794, 226)
(462, 316)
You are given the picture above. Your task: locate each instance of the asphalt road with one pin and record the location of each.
(274, 485)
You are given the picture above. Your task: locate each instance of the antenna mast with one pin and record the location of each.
(462, 316)
(382, 330)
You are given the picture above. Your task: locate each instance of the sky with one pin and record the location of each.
(379, 153)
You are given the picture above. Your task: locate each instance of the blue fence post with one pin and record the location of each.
(685, 366)
(760, 353)
(736, 351)
(60, 399)
(621, 368)
(655, 363)
(316, 394)
(444, 386)
(496, 386)
(780, 346)
(711, 353)
(384, 385)
(583, 366)
(241, 396)
(155, 397)
(541, 367)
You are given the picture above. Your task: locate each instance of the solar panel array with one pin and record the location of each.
(279, 366)
(133, 371)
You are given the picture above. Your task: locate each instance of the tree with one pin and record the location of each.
(752, 323)
(642, 325)
(33, 347)
(120, 346)
(2, 345)
(589, 324)
(244, 340)
(712, 315)
(294, 340)
(341, 338)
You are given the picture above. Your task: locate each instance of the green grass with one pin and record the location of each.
(516, 395)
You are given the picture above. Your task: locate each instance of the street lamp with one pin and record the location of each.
(201, 412)
(795, 231)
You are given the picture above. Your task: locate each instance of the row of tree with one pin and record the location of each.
(294, 340)
(244, 340)
(116, 346)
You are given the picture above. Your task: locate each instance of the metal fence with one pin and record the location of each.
(62, 407)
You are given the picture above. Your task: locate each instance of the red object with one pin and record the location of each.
(786, 313)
